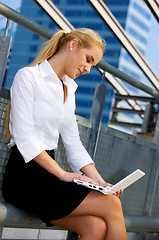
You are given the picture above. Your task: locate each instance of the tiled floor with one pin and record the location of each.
(33, 234)
(36, 234)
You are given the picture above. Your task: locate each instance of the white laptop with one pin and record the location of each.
(124, 183)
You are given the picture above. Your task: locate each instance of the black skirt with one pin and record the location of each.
(31, 187)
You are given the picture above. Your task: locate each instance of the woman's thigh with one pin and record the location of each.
(98, 204)
(95, 204)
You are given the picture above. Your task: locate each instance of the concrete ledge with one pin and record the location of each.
(11, 216)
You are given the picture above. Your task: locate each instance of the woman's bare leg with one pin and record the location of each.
(88, 227)
(107, 208)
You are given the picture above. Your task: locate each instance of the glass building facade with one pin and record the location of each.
(137, 26)
(131, 14)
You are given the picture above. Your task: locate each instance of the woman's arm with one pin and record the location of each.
(90, 171)
(45, 161)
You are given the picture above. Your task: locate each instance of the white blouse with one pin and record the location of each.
(39, 114)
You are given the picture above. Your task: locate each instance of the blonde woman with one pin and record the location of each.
(42, 107)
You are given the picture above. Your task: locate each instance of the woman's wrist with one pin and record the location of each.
(62, 174)
(90, 171)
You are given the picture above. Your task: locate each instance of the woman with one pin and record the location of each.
(42, 107)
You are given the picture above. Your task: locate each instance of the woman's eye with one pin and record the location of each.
(87, 58)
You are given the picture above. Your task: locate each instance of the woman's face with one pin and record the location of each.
(80, 60)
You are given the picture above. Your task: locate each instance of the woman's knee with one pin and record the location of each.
(98, 229)
(115, 205)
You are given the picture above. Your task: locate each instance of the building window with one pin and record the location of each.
(90, 14)
(119, 14)
(86, 90)
(72, 13)
(113, 53)
(136, 35)
(141, 10)
(39, 22)
(85, 103)
(40, 12)
(117, 2)
(52, 25)
(35, 37)
(139, 23)
(30, 60)
(96, 26)
(76, 2)
(33, 48)
(56, 1)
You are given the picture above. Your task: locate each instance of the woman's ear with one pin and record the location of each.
(73, 43)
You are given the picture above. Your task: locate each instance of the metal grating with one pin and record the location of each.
(3, 144)
(116, 158)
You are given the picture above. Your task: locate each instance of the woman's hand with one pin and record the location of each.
(118, 193)
(69, 177)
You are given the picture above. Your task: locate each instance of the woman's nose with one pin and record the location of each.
(87, 69)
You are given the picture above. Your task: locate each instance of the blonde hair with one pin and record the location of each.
(86, 38)
(6, 133)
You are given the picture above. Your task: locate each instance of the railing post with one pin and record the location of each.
(5, 42)
(152, 183)
(154, 174)
(146, 118)
(156, 135)
(1, 232)
(96, 115)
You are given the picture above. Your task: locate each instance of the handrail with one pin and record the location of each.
(23, 21)
(36, 28)
(132, 81)
(141, 223)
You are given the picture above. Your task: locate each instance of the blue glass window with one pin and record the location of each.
(112, 52)
(30, 59)
(141, 10)
(40, 12)
(139, 23)
(73, 13)
(76, 2)
(117, 2)
(86, 90)
(56, 1)
(35, 37)
(84, 103)
(52, 24)
(33, 48)
(136, 35)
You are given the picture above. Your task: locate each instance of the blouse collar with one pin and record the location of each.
(46, 71)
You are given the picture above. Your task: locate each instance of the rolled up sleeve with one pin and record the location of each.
(21, 119)
(77, 155)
